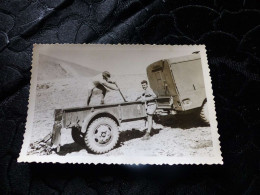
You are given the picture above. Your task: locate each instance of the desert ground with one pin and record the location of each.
(172, 135)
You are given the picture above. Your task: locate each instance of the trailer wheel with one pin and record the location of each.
(77, 136)
(102, 135)
(204, 113)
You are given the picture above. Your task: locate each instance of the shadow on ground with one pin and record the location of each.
(133, 134)
(183, 121)
(69, 148)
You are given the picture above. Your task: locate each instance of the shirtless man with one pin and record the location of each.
(103, 82)
(148, 96)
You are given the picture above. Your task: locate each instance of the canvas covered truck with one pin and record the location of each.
(178, 83)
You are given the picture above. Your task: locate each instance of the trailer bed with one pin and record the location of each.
(121, 112)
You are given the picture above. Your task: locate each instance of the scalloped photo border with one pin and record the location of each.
(126, 160)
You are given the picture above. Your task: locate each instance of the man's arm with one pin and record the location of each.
(110, 86)
(137, 98)
(150, 95)
(110, 81)
(142, 96)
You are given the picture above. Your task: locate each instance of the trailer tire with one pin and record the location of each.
(102, 135)
(204, 113)
(77, 136)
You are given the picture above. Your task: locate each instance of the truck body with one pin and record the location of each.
(180, 79)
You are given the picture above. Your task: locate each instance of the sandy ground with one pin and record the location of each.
(165, 141)
(172, 136)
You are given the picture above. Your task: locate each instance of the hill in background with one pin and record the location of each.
(53, 68)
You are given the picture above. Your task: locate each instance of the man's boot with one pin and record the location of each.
(146, 136)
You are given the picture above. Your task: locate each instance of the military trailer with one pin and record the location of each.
(178, 83)
(96, 127)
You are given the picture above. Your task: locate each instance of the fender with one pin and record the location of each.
(90, 116)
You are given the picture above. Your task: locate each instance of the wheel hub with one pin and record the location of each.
(102, 134)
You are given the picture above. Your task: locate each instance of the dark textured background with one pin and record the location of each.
(230, 30)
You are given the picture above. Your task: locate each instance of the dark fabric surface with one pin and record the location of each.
(230, 30)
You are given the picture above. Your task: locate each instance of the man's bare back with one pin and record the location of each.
(103, 82)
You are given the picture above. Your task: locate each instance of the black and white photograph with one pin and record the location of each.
(121, 104)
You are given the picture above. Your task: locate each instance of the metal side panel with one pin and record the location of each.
(75, 118)
(162, 82)
(189, 81)
(132, 111)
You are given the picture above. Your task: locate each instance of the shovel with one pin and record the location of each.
(121, 93)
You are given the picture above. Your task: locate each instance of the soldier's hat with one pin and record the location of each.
(106, 74)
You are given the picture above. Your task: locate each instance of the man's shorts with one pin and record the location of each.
(150, 109)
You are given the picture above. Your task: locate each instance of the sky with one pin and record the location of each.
(117, 59)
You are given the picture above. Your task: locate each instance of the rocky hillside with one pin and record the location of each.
(53, 68)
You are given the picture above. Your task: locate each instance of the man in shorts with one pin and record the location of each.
(149, 97)
(104, 83)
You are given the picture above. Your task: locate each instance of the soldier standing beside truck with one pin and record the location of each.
(148, 96)
(103, 82)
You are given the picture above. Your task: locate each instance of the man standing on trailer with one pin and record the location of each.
(149, 97)
(104, 83)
